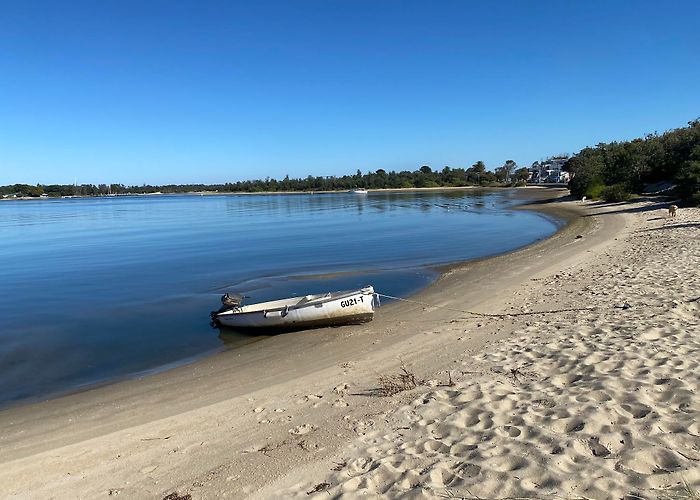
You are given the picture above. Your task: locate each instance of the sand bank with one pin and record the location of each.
(274, 421)
(595, 403)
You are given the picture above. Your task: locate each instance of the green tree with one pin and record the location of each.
(522, 174)
(509, 167)
(689, 176)
(629, 165)
(475, 173)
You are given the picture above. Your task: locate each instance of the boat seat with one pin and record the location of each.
(309, 298)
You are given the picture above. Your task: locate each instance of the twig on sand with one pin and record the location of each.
(176, 496)
(319, 487)
(265, 450)
(450, 382)
(339, 466)
(687, 457)
(390, 385)
(450, 494)
(515, 373)
(533, 313)
(684, 491)
(304, 445)
(156, 438)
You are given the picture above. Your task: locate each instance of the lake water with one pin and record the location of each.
(99, 289)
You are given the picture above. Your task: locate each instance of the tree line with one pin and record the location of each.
(609, 170)
(423, 177)
(614, 170)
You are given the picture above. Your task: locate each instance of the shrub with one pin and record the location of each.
(579, 184)
(615, 193)
(689, 179)
(595, 191)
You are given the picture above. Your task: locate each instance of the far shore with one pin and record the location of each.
(535, 372)
(267, 193)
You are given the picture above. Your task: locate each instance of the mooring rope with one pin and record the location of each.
(425, 304)
(501, 315)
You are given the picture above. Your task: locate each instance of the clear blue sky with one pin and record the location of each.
(174, 91)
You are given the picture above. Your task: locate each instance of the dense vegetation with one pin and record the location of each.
(423, 177)
(612, 171)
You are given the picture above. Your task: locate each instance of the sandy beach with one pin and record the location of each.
(566, 369)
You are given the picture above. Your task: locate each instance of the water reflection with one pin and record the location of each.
(275, 205)
(233, 339)
(127, 282)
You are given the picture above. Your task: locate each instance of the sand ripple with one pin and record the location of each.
(597, 404)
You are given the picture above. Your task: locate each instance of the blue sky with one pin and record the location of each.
(176, 92)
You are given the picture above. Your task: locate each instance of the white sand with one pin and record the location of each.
(597, 403)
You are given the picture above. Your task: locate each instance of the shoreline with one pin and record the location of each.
(588, 391)
(267, 193)
(559, 219)
(112, 417)
(567, 214)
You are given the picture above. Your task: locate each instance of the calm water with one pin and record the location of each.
(100, 289)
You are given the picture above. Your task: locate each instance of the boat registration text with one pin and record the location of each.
(351, 302)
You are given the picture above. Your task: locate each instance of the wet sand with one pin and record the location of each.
(265, 420)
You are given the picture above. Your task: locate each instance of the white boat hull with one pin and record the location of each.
(331, 309)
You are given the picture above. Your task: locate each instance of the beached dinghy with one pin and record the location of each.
(329, 309)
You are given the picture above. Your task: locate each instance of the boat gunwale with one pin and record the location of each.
(322, 299)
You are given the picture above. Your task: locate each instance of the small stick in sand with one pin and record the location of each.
(319, 487)
(156, 438)
(339, 466)
(176, 496)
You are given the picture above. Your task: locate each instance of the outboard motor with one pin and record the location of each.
(228, 301)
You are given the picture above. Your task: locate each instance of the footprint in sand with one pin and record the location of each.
(596, 448)
(313, 398)
(302, 429)
(341, 389)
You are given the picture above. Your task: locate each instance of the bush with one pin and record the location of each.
(695, 200)
(615, 193)
(689, 179)
(579, 184)
(595, 191)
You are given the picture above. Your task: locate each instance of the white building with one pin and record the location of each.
(549, 171)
